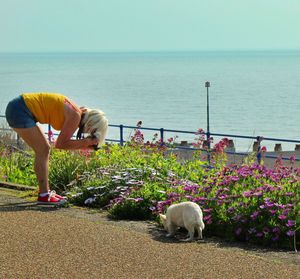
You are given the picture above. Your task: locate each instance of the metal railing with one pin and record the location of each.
(162, 132)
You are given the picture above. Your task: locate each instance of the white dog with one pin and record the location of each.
(185, 214)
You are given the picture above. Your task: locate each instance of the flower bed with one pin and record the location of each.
(248, 202)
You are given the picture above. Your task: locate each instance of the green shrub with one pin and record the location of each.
(17, 167)
(64, 167)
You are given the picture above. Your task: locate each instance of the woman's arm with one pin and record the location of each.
(72, 120)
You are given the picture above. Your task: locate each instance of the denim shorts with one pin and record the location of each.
(18, 115)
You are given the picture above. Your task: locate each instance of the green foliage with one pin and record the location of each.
(17, 167)
(64, 167)
(131, 209)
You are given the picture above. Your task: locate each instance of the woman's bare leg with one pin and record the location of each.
(35, 138)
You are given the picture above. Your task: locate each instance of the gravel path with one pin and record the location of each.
(43, 242)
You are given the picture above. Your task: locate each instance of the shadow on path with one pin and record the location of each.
(21, 206)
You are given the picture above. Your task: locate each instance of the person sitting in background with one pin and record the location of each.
(23, 113)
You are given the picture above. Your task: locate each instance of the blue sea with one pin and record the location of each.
(254, 93)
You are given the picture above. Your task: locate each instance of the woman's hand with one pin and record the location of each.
(92, 142)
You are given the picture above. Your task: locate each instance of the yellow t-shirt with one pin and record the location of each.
(47, 108)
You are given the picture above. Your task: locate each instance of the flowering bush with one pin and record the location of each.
(250, 203)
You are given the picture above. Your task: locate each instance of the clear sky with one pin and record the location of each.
(148, 25)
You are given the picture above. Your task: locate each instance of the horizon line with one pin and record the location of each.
(150, 51)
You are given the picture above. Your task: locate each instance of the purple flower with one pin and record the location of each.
(259, 234)
(223, 196)
(282, 216)
(248, 194)
(199, 199)
(290, 223)
(173, 195)
(238, 231)
(290, 233)
(269, 204)
(206, 218)
(254, 215)
(207, 189)
(231, 210)
(275, 238)
(276, 230)
(237, 217)
(234, 178)
(258, 194)
(289, 194)
(281, 206)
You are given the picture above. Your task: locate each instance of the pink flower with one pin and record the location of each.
(200, 132)
(50, 136)
(292, 159)
(221, 145)
(263, 149)
(170, 140)
(282, 217)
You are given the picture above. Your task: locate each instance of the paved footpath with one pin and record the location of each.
(43, 242)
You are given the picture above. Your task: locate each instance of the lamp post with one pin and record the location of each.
(207, 85)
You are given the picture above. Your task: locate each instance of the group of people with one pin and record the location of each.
(25, 111)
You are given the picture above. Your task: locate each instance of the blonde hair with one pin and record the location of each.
(95, 123)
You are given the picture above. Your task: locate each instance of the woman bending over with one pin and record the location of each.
(23, 113)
